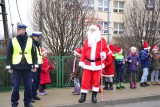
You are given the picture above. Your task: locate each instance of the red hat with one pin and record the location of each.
(111, 47)
(118, 49)
(146, 45)
(43, 51)
(99, 27)
(78, 51)
(155, 47)
(96, 27)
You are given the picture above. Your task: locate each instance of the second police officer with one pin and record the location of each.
(36, 75)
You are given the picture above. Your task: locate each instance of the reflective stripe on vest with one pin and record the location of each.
(39, 56)
(17, 52)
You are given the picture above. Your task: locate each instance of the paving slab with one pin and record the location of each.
(62, 97)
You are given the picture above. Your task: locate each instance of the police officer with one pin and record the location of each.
(36, 75)
(21, 61)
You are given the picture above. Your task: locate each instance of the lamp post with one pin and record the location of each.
(108, 22)
(82, 24)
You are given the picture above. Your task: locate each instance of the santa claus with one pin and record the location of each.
(94, 51)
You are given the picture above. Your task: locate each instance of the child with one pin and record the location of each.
(119, 62)
(76, 71)
(155, 64)
(145, 59)
(132, 61)
(44, 74)
(108, 71)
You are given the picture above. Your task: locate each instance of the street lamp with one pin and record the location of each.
(108, 21)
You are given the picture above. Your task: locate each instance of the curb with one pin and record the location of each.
(114, 102)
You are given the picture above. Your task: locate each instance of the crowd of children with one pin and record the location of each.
(115, 61)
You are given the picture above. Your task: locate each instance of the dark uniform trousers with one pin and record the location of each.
(36, 81)
(26, 76)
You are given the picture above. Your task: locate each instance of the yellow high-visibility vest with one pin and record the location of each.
(17, 52)
(39, 56)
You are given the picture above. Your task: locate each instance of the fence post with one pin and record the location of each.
(60, 72)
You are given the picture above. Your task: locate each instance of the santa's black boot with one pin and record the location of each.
(83, 97)
(94, 98)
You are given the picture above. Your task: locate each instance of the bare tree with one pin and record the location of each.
(141, 22)
(62, 23)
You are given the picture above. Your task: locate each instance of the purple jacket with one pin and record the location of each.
(132, 60)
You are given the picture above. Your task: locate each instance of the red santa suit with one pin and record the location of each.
(94, 50)
(108, 71)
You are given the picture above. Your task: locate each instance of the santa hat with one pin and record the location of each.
(155, 48)
(96, 27)
(43, 51)
(99, 27)
(134, 48)
(78, 51)
(118, 49)
(111, 48)
(146, 45)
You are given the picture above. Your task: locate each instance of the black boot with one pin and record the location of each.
(146, 84)
(111, 86)
(28, 105)
(94, 99)
(106, 86)
(142, 84)
(83, 97)
(32, 101)
(36, 98)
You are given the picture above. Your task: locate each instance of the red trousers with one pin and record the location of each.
(90, 77)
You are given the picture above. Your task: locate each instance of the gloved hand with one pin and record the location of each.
(130, 61)
(33, 69)
(81, 64)
(10, 71)
(103, 55)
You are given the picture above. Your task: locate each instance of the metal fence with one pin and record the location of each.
(59, 76)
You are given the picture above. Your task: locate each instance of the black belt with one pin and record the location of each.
(93, 60)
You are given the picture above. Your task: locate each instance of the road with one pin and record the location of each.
(139, 104)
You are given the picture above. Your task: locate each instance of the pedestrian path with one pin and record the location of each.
(62, 97)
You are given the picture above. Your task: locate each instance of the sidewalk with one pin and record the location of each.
(62, 97)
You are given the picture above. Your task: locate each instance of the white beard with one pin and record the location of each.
(93, 37)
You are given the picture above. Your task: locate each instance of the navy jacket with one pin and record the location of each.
(145, 59)
(23, 64)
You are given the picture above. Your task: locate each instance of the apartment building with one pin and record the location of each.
(110, 12)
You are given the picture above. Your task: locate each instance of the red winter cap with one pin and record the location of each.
(155, 47)
(118, 49)
(146, 45)
(43, 51)
(78, 51)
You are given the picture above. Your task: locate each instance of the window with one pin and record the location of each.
(118, 6)
(150, 4)
(118, 28)
(104, 27)
(88, 4)
(103, 5)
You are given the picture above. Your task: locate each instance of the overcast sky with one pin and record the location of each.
(24, 9)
